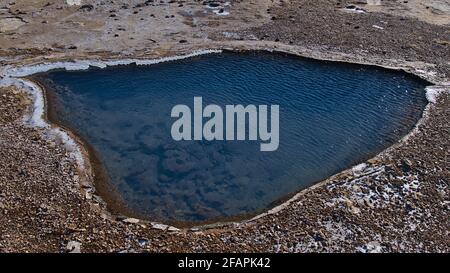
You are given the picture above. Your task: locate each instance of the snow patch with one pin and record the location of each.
(433, 92)
(219, 9)
(221, 12)
(377, 27)
(358, 169)
(73, 2)
(353, 8)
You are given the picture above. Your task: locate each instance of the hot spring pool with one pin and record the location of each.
(331, 116)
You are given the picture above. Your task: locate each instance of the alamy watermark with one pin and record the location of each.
(235, 123)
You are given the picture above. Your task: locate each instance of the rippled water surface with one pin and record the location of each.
(332, 116)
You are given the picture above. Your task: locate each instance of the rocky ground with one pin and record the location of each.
(398, 201)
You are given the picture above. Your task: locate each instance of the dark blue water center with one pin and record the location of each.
(332, 116)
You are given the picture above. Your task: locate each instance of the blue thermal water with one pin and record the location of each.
(332, 116)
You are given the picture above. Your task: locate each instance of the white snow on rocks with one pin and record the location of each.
(432, 92)
(73, 2)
